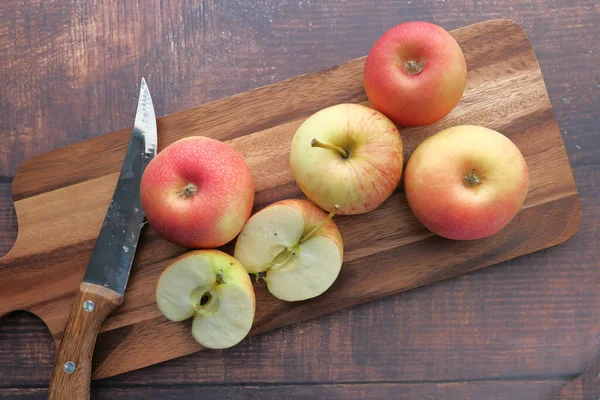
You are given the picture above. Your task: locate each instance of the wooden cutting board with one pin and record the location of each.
(61, 198)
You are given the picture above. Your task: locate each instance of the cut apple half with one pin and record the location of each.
(294, 246)
(214, 289)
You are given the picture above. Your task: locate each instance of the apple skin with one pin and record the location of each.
(447, 201)
(415, 99)
(359, 183)
(216, 212)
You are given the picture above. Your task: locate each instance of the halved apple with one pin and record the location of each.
(294, 246)
(212, 287)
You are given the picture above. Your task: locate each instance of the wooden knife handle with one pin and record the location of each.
(73, 364)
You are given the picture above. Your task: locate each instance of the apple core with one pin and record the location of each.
(204, 301)
(281, 259)
(286, 254)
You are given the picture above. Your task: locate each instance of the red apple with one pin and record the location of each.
(466, 182)
(415, 73)
(198, 192)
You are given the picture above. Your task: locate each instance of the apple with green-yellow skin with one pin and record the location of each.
(349, 155)
(466, 182)
(295, 246)
(197, 192)
(213, 288)
(415, 73)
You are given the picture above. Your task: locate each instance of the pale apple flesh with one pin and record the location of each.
(285, 244)
(466, 182)
(310, 272)
(214, 289)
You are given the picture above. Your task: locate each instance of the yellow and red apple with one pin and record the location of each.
(198, 192)
(349, 155)
(415, 73)
(466, 182)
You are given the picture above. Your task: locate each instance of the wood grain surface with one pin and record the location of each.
(386, 251)
(520, 321)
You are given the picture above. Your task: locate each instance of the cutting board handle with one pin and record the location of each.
(73, 365)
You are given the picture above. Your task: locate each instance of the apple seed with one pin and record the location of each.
(205, 299)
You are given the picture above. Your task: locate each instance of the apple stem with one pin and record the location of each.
(188, 191)
(413, 67)
(282, 258)
(473, 179)
(326, 220)
(316, 143)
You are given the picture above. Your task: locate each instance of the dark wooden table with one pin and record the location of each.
(525, 329)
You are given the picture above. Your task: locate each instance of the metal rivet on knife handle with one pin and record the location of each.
(88, 305)
(70, 367)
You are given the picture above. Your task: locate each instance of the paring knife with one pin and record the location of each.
(105, 279)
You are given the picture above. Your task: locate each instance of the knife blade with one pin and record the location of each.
(105, 279)
(112, 256)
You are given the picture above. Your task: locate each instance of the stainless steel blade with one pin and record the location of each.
(113, 254)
